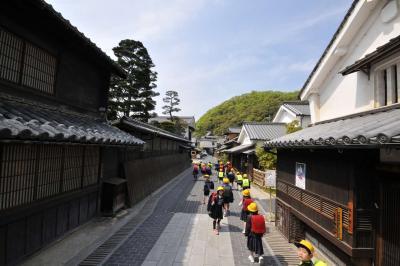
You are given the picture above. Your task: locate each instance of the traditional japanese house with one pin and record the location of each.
(53, 134)
(164, 156)
(253, 134)
(232, 133)
(338, 180)
(189, 121)
(293, 110)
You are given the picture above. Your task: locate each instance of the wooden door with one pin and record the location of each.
(388, 235)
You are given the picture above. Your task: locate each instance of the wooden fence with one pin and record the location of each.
(258, 177)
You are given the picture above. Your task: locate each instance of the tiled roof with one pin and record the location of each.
(240, 148)
(190, 120)
(375, 127)
(298, 107)
(234, 130)
(380, 53)
(264, 131)
(24, 120)
(145, 127)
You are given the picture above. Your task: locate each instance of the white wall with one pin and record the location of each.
(339, 95)
(284, 117)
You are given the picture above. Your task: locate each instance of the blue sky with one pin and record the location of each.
(212, 50)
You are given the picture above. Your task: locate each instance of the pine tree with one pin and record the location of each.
(172, 101)
(133, 96)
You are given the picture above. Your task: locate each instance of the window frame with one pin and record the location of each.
(383, 92)
(20, 84)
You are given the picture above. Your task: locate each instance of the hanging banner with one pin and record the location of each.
(300, 175)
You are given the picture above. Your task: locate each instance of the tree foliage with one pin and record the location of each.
(293, 127)
(177, 126)
(172, 101)
(266, 160)
(257, 106)
(133, 96)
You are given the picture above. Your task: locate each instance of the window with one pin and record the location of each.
(31, 172)
(26, 64)
(387, 85)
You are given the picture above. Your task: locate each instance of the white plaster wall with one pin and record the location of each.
(246, 140)
(342, 95)
(284, 117)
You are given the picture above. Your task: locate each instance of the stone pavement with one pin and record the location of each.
(179, 232)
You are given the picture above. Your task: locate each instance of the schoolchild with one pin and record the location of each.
(245, 182)
(208, 186)
(208, 170)
(245, 202)
(214, 208)
(231, 177)
(203, 169)
(239, 180)
(195, 171)
(255, 229)
(305, 252)
(220, 176)
(228, 195)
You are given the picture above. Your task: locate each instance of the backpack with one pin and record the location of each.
(258, 224)
(210, 200)
(211, 184)
(206, 188)
(246, 203)
(228, 193)
(196, 167)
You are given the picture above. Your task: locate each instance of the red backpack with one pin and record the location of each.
(246, 203)
(258, 224)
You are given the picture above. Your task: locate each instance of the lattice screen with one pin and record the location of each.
(26, 64)
(11, 49)
(30, 172)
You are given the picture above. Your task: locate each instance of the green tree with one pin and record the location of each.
(133, 96)
(257, 106)
(293, 127)
(266, 160)
(172, 101)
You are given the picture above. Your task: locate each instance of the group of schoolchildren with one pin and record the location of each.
(253, 223)
(218, 206)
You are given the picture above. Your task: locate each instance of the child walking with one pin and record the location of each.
(214, 208)
(208, 186)
(255, 229)
(228, 195)
(245, 202)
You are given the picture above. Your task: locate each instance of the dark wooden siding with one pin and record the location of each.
(80, 82)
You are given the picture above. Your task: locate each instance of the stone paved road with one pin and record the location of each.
(179, 232)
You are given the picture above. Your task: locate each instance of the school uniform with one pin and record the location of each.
(244, 213)
(215, 210)
(254, 240)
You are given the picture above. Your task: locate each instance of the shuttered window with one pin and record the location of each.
(26, 64)
(31, 172)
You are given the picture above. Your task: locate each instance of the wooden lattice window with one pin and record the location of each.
(26, 64)
(91, 171)
(11, 50)
(17, 179)
(73, 168)
(30, 172)
(39, 69)
(48, 170)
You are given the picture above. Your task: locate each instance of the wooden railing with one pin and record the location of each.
(318, 203)
(258, 177)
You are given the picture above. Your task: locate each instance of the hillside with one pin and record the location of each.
(255, 106)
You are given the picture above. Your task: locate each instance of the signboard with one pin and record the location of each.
(270, 178)
(301, 175)
(339, 223)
